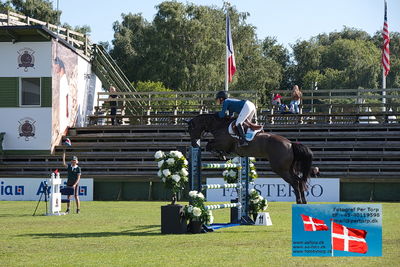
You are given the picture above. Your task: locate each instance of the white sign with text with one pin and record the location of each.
(276, 189)
(32, 188)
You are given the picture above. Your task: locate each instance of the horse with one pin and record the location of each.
(287, 159)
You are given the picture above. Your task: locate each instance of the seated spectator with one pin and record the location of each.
(276, 100)
(314, 172)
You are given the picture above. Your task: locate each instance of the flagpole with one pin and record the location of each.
(385, 56)
(383, 90)
(226, 52)
(383, 72)
(332, 237)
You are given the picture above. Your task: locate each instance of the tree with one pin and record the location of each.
(38, 9)
(346, 59)
(278, 59)
(184, 47)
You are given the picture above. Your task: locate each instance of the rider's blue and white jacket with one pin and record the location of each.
(232, 105)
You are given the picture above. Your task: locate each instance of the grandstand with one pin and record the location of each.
(354, 136)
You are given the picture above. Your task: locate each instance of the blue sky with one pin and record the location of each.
(287, 20)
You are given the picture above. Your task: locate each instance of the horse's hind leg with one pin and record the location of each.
(295, 182)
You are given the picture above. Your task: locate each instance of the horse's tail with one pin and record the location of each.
(303, 157)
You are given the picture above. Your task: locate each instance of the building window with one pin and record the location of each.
(30, 91)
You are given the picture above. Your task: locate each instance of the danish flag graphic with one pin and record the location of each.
(313, 224)
(348, 239)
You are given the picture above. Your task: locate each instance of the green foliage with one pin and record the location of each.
(85, 29)
(347, 59)
(163, 101)
(38, 9)
(184, 47)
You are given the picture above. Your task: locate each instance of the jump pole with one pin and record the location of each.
(195, 168)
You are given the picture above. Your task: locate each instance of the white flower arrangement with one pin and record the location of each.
(173, 169)
(196, 211)
(257, 203)
(231, 175)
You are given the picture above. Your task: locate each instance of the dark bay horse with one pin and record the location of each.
(291, 161)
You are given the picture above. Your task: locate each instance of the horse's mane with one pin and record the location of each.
(212, 119)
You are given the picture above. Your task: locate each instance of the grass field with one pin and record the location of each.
(128, 234)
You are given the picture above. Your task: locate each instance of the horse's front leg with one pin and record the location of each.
(218, 153)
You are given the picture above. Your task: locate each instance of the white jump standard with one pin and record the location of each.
(55, 196)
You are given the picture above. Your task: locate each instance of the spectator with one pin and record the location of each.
(314, 172)
(74, 176)
(276, 100)
(296, 97)
(113, 105)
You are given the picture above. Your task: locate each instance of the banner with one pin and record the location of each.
(276, 189)
(331, 230)
(32, 188)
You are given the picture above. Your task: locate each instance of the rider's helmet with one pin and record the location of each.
(221, 94)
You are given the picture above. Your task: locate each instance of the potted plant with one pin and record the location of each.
(173, 173)
(256, 203)
(196, 213)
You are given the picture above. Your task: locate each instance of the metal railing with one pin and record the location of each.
(338, 106)
(78, 40)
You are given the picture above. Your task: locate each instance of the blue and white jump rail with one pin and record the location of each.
(242, 186)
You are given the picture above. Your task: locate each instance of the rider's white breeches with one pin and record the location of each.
(248, 112)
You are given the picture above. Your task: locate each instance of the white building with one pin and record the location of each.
(46, 86)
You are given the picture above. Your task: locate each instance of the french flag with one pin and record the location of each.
(231, 65)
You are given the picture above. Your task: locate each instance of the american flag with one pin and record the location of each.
(229, 49)
(385, 48)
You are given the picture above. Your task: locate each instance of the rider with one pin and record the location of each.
(245, 108)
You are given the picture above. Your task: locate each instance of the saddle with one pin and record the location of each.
(253, 126)
(250, 129)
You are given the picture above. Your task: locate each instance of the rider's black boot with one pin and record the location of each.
(242, 138)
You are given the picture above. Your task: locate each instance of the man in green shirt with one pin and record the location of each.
(74, 175)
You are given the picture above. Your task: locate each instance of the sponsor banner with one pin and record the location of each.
(32, 188)
(331, 230)
(276, 189)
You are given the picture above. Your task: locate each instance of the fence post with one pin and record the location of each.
(329, 116)
(272, 121)
(68, 39)
(86, 45)
(148, 111)
(8, 18)
(176, 110)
